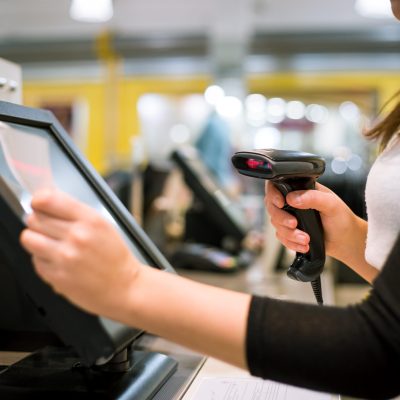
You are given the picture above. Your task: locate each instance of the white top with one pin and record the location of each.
(382, 196)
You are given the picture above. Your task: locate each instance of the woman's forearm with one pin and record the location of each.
(209, 320)
(63, 236)
(353, 253)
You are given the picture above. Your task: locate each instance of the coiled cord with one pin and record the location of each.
(317, 289)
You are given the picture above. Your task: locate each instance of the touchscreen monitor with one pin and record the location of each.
(218, 208)
(36, 152)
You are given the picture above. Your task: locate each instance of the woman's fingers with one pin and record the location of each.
(39, 245)
(273, 195)
(45, 269)
(320, 200)
(59, 205)
(293, 239)
(47, 225)
(284, 222)
(282, 218)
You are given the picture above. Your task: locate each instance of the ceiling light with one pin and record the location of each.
(276, 107)
(267, 138)
(374, 8)
(214, 94)
(91, 10)
(295, 109)
(317, 113)
(229, 107)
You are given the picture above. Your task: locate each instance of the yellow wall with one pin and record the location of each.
(385, 84)
(94, 93)
(42, 92)
(129, 90)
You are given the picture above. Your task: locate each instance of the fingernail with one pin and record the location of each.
(290, 223)
(301, 238)
(296, 199)
(277, 201)
(302, 249)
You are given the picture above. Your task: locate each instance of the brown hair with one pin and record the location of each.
(388, 127)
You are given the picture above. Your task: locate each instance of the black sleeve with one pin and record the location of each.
(353, 351)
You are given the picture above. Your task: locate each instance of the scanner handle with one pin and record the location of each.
(306, 267)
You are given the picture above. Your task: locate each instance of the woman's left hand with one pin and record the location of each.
(79, 253)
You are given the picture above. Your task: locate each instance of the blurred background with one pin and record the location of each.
(133, 80)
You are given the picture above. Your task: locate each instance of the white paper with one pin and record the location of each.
(252, 389)
(27, 157)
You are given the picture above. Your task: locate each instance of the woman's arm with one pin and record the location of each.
(345, 233)
(353, 253)
(83, 258)
(353, 350)
(210, 320)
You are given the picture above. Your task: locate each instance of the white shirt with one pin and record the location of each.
(382, 196)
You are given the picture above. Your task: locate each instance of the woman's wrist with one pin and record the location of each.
(352, 242)
(128, 295)
(352, 250)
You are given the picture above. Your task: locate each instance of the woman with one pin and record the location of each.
(341, 226)
(353, 350)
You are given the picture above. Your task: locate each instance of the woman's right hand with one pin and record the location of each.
(337, 219)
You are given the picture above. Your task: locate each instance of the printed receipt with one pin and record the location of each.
(252, 389)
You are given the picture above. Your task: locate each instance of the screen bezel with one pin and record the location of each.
(46, 120)
(43, 119)
(193, 178)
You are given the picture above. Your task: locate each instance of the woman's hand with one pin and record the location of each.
(345, 233)
(79, 253)
(83, 258)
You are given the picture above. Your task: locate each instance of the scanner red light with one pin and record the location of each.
(253, 164)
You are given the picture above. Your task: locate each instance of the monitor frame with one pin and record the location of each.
(107, 338)
(233, 230)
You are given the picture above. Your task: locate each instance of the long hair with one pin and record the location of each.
(389, 126)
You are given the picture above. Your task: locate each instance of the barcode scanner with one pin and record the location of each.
(289, 171)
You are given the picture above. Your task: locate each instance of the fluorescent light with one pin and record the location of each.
(295, 109)
(214, 94)
(91, 10)
(229, 107)
(374, 8)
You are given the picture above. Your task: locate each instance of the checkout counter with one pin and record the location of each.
(196, 375)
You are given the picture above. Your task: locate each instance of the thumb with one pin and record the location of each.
(324, 201)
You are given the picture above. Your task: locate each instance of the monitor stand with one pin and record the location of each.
(200, 227)
(56, 373)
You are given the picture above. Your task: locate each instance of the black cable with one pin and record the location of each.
(317, 289)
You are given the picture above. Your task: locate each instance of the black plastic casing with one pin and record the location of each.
(227, 222)
(284, 164)
(289, 171)
(28, 303)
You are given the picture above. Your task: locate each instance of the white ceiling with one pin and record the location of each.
(50, 18)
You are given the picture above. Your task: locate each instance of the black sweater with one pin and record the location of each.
(353, 351)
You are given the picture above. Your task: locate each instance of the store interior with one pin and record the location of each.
(145, 80)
